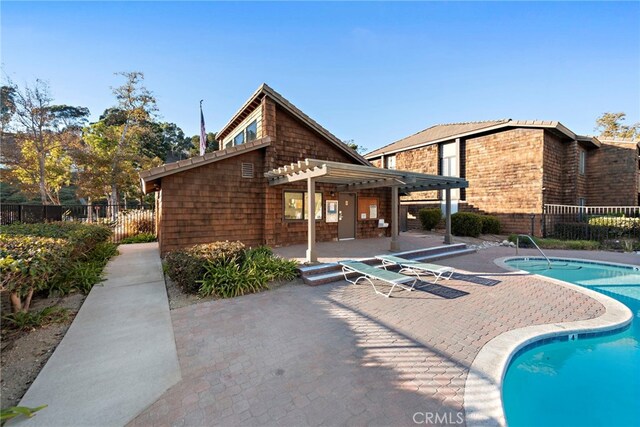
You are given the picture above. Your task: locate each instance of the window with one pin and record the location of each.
(238, 139)
(582, 165)
(252, 131)
(295, 205)
(449, 165)
(248, 134)
(391, 162)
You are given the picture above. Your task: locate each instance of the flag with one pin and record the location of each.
(203, 132)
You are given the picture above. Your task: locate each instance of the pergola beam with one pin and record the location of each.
(299, 175)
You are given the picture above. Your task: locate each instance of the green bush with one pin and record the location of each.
(226, 269)
(490, 224)
(584, 245)
(139, 238)
(622, 222)
(83, 237)
(228, 278)
(429, 218)
(27, 263)
(466, 224)
(83, 274)
(32, 256)
(187, 266)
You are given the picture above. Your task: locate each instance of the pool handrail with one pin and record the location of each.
(534, 244)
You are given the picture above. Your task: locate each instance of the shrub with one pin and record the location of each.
(490, 224)
(83, 237)
(232, 277)
(429, 218)
(587, 245)
(83, 274)
(466, 224)
(187, 266)
(139, 238)
(33, 255)
(27, 263)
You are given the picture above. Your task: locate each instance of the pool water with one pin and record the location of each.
(591, 381)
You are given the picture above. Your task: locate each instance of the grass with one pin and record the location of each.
(139, 238)
(32, 320)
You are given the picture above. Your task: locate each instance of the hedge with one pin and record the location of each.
(186, 266)
(429, 218)
(466, 224)
(226, 269)
(490, 224)
(32, 255)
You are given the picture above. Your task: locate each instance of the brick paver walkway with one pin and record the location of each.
(340, 354)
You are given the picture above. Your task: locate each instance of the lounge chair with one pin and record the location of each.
(369, 273)
(410, 266)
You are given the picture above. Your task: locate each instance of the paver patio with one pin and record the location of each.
(340, 354)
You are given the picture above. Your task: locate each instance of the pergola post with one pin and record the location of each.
(311, 221)
(395, 245)
(447, 236)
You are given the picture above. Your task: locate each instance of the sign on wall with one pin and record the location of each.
(332, 211)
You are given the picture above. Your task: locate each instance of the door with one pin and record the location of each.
(346, 216)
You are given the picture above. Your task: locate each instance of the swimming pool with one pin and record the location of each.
(591, 381)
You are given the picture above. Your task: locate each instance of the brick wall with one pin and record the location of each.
(612, 171)
(213, 202)
(423, 160)
(504, 171)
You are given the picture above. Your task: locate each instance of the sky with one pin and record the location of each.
(368, 72)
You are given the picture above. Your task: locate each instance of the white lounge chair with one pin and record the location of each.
(410, 266)
(369, 273)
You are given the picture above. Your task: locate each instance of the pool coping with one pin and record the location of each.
(483, 387)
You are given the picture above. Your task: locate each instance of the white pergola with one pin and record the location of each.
(351, 177)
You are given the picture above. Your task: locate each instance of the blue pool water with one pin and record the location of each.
(592, 381)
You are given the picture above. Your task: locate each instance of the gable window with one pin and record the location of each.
(252, 131)
(295, 205)
(248, 134)
(390, 161)
(238, 139)
(582, 165)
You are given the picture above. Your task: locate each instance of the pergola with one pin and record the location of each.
(351, 177)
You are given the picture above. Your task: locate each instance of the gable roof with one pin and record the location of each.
(149, 179)
(445, 132)
(265, 90)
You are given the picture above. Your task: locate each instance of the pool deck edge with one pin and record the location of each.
(483, 386)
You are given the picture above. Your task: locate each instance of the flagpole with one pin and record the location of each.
(203, 132)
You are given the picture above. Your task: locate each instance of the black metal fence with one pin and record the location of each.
(126, 221)
(601, 223)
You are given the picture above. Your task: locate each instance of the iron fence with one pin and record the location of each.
(125, 220)
(601, 223)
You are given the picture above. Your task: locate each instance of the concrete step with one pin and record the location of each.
(321, 274)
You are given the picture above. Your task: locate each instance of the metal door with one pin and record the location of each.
(346, 216)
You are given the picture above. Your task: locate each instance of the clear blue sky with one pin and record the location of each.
(372, 72)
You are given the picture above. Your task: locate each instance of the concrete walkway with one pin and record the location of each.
(118, 356)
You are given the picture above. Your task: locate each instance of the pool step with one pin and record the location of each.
(321, 274)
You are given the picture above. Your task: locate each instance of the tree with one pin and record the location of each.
(355, 147)
(194, 144)
(609, 125)
(120, 144)
(7, 106)
(44, 133)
